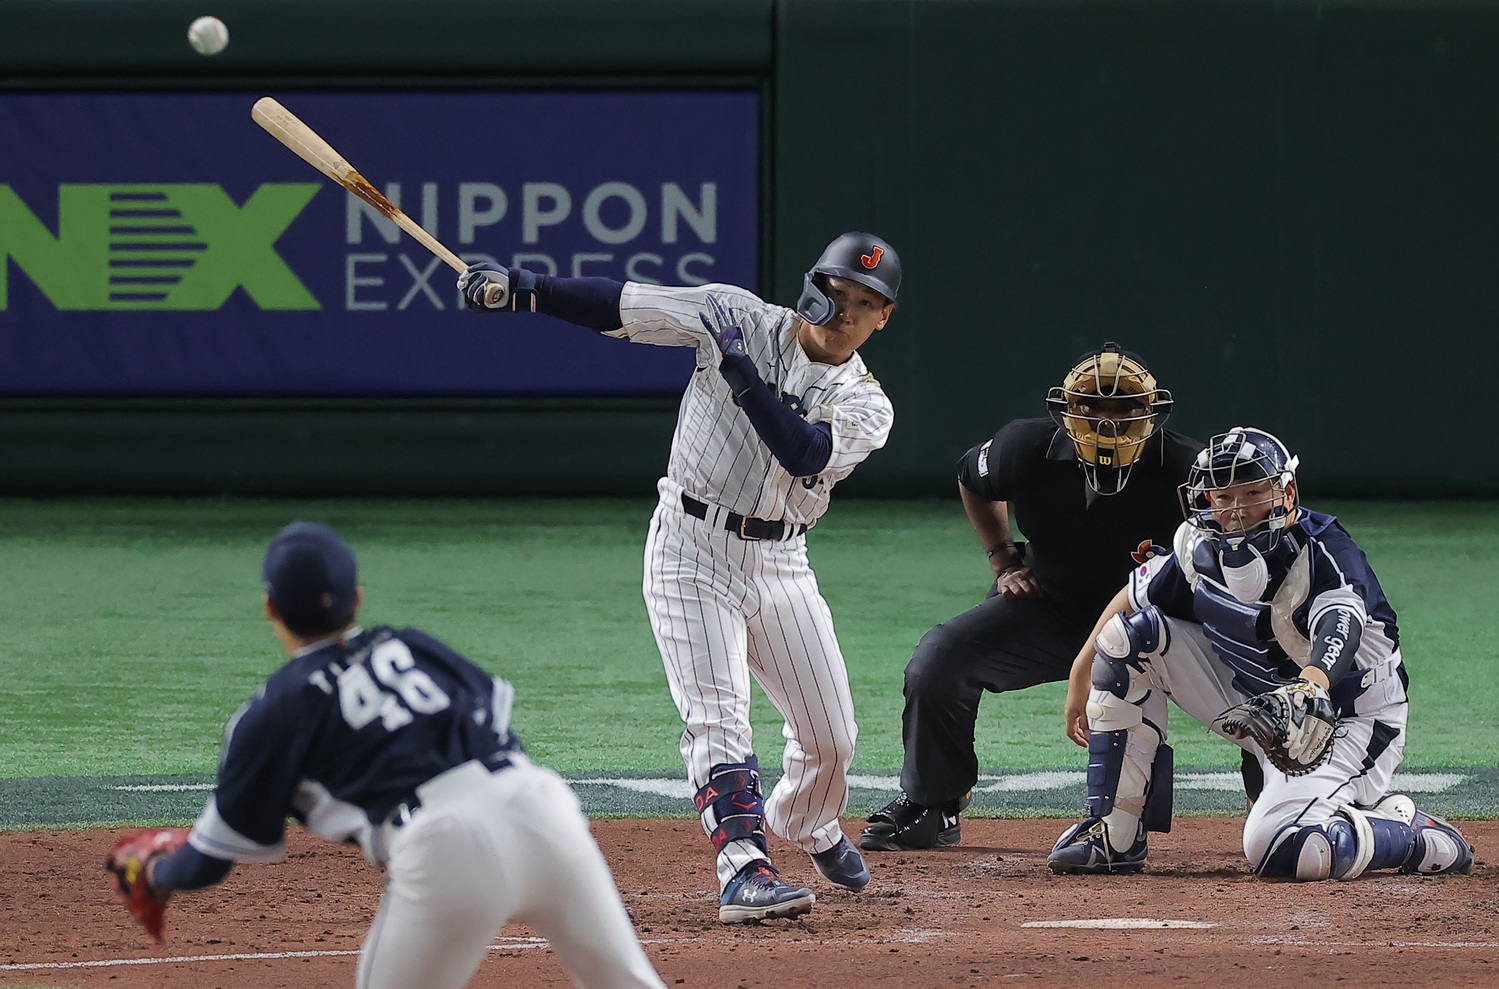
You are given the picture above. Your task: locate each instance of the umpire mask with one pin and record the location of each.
(1110, 406)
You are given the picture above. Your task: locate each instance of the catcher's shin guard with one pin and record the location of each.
(1341, 848)
(731, 806)
(1124, 746)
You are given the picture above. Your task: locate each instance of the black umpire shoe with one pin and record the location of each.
(904, 825)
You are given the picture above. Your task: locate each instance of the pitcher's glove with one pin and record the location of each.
(128, 862)
(1293, 725)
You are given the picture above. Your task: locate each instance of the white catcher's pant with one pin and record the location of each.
(1367, 748)
(723, 609)
(484, 849)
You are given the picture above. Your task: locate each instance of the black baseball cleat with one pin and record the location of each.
(756, 893)
(842, 865)
(904, 825)
(1085, 848)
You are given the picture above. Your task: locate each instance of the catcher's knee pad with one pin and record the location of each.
(1341, 848)
(731, 805)
(1122, 647)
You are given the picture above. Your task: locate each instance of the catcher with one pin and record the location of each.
(389, 739)
(1266, 624)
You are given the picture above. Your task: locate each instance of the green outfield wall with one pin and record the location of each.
(1290, 208)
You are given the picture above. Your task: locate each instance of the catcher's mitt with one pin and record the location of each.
(1293, 725)
(128, 862)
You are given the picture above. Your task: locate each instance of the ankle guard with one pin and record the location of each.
(731, 806)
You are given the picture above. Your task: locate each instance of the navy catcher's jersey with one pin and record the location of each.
(1268, 642)
(342, 735)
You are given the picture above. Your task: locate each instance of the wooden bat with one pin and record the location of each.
(285, 127)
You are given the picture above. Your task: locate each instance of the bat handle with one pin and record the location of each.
(496, 295)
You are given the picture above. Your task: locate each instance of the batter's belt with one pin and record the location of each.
(744, 526)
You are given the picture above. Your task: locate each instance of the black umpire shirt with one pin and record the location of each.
(1079, 543)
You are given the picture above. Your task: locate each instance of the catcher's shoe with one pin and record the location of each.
(842, 865)
(1439, 848)
(905, 825)
(1085, 848)
(757, 894)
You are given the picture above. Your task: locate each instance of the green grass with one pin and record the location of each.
(131, 629)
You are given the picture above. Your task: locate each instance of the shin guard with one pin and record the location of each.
(731, 806)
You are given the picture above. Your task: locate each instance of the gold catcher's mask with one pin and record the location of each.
(1110, 405)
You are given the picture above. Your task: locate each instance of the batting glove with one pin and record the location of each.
(723, 324)
(736, 366)
(489, 287)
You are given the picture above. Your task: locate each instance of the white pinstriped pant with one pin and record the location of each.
(485, 848)
(723, 609)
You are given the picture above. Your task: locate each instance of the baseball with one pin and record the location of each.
(208, 35)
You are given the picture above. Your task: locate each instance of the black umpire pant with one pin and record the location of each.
(1003, 644)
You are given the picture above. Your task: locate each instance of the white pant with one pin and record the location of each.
(1368, 745)
(723, 609)
(484, 849)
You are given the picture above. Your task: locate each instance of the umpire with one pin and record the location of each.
(1092, 488)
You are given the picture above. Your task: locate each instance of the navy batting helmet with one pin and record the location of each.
(310, 576)
(859, 257)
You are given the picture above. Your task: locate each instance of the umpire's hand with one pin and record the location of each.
(1018, 583)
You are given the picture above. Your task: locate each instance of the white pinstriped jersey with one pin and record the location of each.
(716, 455)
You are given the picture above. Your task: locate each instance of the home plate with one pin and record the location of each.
(1121, 923)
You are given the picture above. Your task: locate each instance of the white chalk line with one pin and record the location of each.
(1123, 924)
(679, 789)
(1294, 943)
(917, 936)
(503, 944)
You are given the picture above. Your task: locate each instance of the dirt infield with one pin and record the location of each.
(951, 918)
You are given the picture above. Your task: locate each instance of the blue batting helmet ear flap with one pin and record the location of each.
(859, 257)
(814, 305)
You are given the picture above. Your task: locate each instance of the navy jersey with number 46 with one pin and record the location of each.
(342, 735)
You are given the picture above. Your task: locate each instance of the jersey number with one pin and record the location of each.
(405, 689)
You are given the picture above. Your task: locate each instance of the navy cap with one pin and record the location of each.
(310, 576)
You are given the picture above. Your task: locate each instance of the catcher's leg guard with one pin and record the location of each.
(1124, 747)
(731, 806)
(1346, 846)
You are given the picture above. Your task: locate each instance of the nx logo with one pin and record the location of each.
(177, 246)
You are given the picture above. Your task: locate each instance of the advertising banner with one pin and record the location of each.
(163, 244)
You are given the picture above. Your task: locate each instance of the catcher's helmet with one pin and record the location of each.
(859, 257)
(1241, 455)
(1110, 405)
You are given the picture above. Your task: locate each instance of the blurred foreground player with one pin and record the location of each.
(780, 409)
(390, 739)
(1266, 624)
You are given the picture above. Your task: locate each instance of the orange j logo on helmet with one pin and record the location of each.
(873, 258)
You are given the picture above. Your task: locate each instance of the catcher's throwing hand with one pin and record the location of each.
(1293, 725)
(128, 861)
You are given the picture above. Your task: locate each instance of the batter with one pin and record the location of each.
(780, 409)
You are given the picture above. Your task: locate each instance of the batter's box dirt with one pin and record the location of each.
(984, 913)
